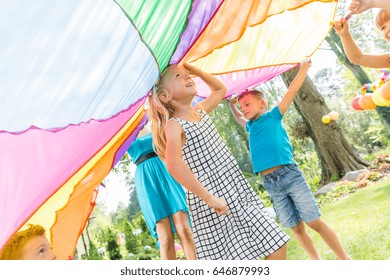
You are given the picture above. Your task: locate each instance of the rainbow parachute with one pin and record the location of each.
(74, 76)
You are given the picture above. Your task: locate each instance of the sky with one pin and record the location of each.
(116, 191)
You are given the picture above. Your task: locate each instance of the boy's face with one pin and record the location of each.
(252, 107)
(37, 248)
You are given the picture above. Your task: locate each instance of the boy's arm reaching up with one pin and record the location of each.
(237, 113)
(354, 53)
(294, 86)
(218, 89)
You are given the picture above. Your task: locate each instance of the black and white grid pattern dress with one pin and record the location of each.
(247, 232)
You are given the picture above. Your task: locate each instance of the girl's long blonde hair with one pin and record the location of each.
(159, 113)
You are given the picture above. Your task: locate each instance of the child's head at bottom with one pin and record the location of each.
(382, 22)
(29, 244)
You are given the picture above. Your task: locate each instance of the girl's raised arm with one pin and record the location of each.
(218, 89)
(354, 53)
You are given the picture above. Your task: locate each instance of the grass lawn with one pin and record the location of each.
(362, 222)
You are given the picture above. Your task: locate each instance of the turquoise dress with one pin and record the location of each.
(159, 194)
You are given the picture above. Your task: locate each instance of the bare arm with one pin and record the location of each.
(237, 113)
(354, 53)
(182, 173)
(294, 86)
(218, 89)
(359, 6)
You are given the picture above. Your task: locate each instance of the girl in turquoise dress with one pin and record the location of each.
(161, 198)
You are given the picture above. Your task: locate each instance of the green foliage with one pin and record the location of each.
(113, 249)
(93, 253)
(342, 189)
(123, 168)
(107, 225)
(234, 135)
(361, 221)
(151, 254)
(256, 183)
(133, 207)
(375, 176)
(131, 244)
(144, 257)
(180, 254)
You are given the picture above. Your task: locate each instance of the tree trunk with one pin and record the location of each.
(336, 155)
(336, 45)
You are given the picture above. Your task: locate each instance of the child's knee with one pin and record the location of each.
(299, 229)
(184, 232)
(316, 225)
(166, 240)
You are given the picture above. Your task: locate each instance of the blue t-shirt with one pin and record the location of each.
(269, 144)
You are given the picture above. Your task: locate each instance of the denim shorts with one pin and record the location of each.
(291, 196)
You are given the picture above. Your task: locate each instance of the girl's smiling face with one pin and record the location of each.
(178, 82)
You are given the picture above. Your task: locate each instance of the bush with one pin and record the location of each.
(342, 188)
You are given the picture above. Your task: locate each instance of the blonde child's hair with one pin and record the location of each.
(13, 249)
(382, 17)
(159, 113)
(253, 92)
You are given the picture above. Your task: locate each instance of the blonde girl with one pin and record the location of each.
(227, 216)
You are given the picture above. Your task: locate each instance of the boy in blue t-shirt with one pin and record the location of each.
(272, 157)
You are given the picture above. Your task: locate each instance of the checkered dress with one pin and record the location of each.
(247, 232)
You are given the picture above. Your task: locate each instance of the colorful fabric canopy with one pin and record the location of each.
(75, 74)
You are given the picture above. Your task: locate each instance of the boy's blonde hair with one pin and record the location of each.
(159, 113)
(382, 17)
(13, 250)
(253, 92)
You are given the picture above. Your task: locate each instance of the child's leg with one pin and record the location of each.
(305, 208)
(305, 240)
(184, 232)
(166, 239)
(330, 237)
(280, 254)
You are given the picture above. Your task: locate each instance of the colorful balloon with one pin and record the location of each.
(365, 102)
(326, 119)
(378, 99)
(385, 91)
(355, 103)
(334, 116)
